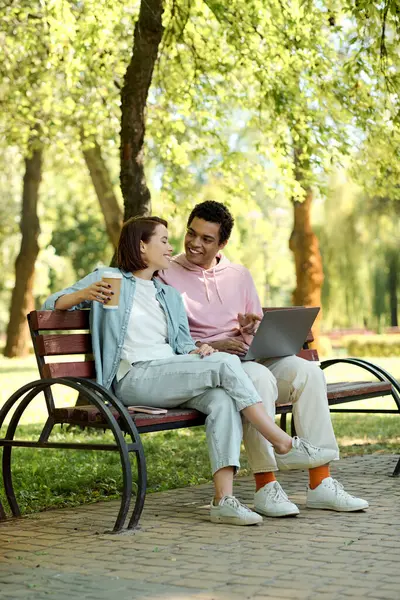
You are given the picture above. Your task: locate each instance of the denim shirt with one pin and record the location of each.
(108, 327)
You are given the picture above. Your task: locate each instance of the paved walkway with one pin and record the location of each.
(179, 554)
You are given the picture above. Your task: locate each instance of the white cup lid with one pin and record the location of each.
(112, 275)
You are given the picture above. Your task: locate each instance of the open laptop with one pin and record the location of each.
(281, 333)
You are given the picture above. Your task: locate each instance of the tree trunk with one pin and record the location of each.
(393, 284)
(22, 302)
(101, 179)
(147, 37)
(305, 247)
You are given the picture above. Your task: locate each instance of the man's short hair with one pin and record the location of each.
(214, 212)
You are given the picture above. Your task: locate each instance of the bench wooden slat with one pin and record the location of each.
(53, 345)
(309, 354)
(59, 319)
(89, 416)
(357, 388)
(70, 369)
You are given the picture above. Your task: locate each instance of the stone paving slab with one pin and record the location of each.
(177, 553)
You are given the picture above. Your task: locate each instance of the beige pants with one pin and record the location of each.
(289, 380)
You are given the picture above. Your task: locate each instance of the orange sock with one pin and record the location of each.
(317, 475)
(263, 478)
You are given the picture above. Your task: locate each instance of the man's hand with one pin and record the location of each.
(230, 345)
(204, 350)
(248, 323)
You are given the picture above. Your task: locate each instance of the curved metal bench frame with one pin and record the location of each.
(381, 374)
(102, 399)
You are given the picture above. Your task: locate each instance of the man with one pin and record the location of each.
(224, 310)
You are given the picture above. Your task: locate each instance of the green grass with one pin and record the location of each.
(53, 478)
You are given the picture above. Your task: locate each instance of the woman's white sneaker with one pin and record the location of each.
(330, 495)
(232, 512)
(272, 501)
(304, 455)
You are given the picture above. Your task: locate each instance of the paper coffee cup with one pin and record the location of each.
(114, 279)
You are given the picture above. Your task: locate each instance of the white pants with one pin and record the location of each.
(289, 380)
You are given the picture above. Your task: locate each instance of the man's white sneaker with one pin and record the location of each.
(272, 501)
(304, 455)
(330, 495)
(230, 511)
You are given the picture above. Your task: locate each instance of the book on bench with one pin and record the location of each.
(151, 410)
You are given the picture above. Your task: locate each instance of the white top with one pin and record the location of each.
(147, 334)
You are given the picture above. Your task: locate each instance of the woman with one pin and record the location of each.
(145, 352)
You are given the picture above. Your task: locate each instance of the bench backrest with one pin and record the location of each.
(61, 337)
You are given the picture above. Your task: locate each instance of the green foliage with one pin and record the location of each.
(59, 67)
(250, 103)
(10, 195)
(65, 478)
(372, 345)
(358, 236)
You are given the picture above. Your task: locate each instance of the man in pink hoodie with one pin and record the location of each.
(224, 310)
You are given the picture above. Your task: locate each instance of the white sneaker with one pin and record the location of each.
(304, 455)
(331, 496)
(272, 501)
(230, 511)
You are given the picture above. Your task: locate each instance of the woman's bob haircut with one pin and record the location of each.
(134, 231)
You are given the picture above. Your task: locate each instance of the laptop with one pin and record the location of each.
(281, 333)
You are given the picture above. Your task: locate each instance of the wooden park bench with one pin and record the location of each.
(63, 333)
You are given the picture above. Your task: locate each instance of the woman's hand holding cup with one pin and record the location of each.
(100, 291)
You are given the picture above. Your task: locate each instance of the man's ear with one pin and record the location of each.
(142, 247)
(222, 246)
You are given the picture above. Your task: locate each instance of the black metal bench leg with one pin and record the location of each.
(7, 481)
(7, 474)
(91, 391)
(380, 373)
(36, 387)
(396, 471)
(126, 421)
(283, 421)
(141, 491)
(47, 429)
(96, 395)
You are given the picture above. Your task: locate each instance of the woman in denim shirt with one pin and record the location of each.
(145, 352)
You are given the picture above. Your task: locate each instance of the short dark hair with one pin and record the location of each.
(214, 212)
(134, 231)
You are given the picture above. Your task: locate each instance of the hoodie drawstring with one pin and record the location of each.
(216, 286)
(215, 283)
(205, 283)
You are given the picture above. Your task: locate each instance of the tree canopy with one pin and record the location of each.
(255, 104)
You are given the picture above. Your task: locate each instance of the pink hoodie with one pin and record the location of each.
(213, 297)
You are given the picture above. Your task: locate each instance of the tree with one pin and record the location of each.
(25, 77)
(276, 67)
(147, 37)
(22, 297)
(104, 189)
(42, 67)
